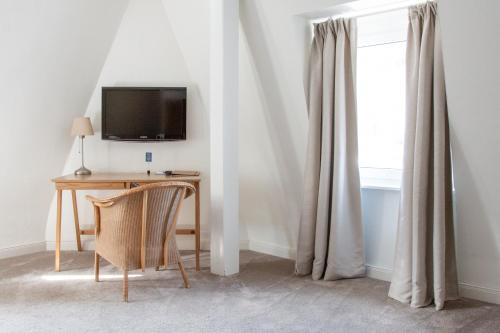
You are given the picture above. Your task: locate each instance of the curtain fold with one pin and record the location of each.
(425, 266)
(330, 244)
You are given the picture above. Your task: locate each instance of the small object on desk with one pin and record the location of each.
(178, 173)
(166, 173)
(185, 173)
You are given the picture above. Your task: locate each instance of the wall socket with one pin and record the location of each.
(149, 159)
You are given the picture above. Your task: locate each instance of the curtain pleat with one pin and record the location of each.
(330, 244)
(424, 266)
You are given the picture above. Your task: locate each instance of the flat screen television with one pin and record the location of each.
(143, 113)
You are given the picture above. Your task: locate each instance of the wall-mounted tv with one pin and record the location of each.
(143, 113)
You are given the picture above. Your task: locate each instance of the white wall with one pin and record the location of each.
(380, 222)
(471, 48)
(52, 53)
(273, 124)
(145, 52)
(266, 215)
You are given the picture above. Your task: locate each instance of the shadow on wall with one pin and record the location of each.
(286, 159)
(472, 226)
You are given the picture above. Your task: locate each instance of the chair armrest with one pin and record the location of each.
(105, 202)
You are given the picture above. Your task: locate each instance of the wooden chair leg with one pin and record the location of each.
(77, 221)
(96, 266)
(183, 271)
(125, 286)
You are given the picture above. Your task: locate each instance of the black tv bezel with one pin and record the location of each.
(103, 114)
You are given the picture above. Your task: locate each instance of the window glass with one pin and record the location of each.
(381, 89)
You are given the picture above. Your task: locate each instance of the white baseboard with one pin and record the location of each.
(19, 250)
(187, 242)
(464, 289)
(378, 273)
(479, 293)
(271, 249)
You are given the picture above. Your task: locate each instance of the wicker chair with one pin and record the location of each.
(136, 229)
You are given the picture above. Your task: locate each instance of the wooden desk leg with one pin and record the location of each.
(197, 224)
(58, 231)
(77, 221)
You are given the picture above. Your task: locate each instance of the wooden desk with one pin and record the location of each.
(117, 181)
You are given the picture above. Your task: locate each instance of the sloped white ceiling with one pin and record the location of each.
(190, 23)
(273, 126)
(51, 55)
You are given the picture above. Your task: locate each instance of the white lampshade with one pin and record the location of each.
(82, 127)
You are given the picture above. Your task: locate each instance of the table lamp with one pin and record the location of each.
(82, 127)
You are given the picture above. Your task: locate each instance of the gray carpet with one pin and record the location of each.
(264, 297)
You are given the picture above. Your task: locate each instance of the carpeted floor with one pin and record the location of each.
(264, 297)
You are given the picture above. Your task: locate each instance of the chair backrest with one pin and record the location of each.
(136, 226)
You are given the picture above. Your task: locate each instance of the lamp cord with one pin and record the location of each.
(82, 137)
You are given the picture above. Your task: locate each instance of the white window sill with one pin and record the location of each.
(380, 184)
(380, 179)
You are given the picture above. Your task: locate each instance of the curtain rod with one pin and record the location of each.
(368, 12)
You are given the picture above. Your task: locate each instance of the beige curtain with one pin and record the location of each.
(424, 267)
(330, 243)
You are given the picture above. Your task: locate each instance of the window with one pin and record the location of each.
(381, 97)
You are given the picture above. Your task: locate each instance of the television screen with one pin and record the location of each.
(143, 114)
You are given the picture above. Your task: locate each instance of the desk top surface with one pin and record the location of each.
(109, 177)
